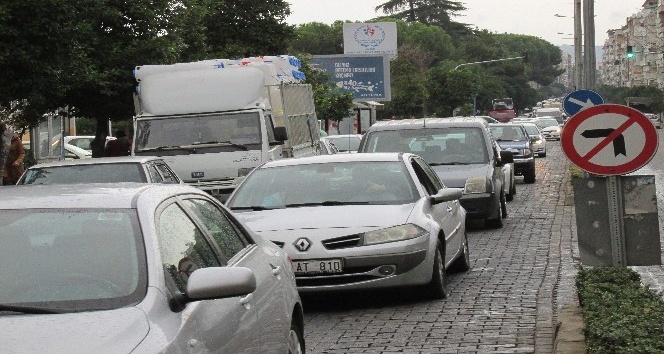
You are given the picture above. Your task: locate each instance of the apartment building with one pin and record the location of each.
(643, 32)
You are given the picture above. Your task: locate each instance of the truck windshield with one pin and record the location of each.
(238, 130)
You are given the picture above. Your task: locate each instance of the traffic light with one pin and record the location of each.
(630, 52)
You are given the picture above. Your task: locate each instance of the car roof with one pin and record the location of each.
(361, 157)
(420, 123)
(100, 160)
(92, 195)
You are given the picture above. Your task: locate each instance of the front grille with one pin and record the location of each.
(342, 242)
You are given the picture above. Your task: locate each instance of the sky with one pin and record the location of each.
(529, 17)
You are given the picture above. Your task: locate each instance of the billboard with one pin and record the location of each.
(371, 38)
(367, 77)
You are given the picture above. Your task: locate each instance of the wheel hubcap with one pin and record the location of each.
(294, 343)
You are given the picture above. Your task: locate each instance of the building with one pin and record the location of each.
(643, 32)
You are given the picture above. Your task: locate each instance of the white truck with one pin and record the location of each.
(214, 121)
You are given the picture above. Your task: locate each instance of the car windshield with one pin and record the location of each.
(66, 260)
(507, 133)
(345, 142)
(531, 130)
(235, 130)
(437, 146)
(85, 173)
(543, 123)
(344, 183)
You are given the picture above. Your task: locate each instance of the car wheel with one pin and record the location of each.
(503, 205)
(543, 154)
(462, 263)
(295, 339)
(498, 221)
(529, 177)
(437, 288)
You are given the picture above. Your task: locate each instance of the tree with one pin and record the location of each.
(431, 12)
(331, 103)
(318, 38)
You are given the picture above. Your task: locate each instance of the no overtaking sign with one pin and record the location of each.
(609, 139)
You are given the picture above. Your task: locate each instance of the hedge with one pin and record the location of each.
(620, 314)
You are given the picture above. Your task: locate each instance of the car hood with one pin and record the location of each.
(326, 217)
(455, 176)
(114, 331)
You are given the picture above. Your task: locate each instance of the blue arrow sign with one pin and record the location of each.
(579, 100)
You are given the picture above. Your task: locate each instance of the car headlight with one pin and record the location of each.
(475, 185)
(393, 234)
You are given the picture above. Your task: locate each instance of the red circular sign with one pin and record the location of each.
(609, 139)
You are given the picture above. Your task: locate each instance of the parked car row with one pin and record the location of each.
(110, 244)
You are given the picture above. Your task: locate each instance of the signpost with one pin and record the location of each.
(579, 100)
(610, 140)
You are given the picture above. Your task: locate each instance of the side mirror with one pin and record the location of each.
(280, 134)
(220, 282)
(506, 156)
(446, 195)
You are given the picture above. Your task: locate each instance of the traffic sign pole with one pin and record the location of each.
(615, 203)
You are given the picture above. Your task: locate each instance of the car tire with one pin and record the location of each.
(529, 177)
(497, 222)
(542, 154)
(503, 205)
(437, 288)
(462, 264)
(295, 339)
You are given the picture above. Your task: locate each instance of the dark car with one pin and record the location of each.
(513, 137)
(462, 153)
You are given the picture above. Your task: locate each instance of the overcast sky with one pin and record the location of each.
(531, 17)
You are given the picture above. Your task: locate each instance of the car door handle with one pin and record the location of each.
(247, 299)
(275, 270)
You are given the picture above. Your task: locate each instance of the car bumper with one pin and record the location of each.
(480, 206)
(391, 264)
(524, 165)
(551, 136)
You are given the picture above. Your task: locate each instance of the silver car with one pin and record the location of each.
(139, 268)
(536, 136)
(358, 221)
(348, 143)
(144, 169)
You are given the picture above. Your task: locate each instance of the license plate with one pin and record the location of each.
(318, 266)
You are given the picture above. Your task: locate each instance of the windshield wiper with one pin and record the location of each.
(325, 203)
(227, 142)
(256, 208)
(28, 309)
(448, 163)
(161, 148)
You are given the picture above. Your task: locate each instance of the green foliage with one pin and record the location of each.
(318, 38)
(430, 12)
(618, 95)
(621, 315)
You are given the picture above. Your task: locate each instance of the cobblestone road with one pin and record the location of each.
(507, 303)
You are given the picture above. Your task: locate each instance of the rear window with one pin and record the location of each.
(93, 173)
(437, 146)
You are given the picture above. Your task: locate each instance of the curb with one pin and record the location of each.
(569, 331)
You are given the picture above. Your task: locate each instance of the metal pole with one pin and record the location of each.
(578, 37)
(589, 61)
(614, 194)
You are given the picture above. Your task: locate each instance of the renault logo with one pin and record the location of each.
(302, 244)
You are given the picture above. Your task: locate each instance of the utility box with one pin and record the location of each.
(637, 205)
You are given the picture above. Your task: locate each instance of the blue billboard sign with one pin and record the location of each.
(366, 77)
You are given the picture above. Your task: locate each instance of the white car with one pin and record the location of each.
(550, 128)
(655, 119)
(358, 221)
(348, 143)
(536, 136)
(139, 268)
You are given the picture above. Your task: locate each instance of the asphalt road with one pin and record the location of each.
(507, 303)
